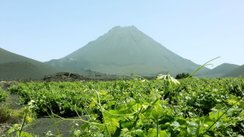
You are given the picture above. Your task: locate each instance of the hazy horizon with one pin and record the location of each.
(195, 30)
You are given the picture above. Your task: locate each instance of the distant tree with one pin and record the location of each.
(182, 75)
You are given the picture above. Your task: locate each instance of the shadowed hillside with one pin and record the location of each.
(238, 72)
(16, 67)
(220, 71)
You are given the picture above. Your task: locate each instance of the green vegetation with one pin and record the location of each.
(3, 95)
(9, 115)
(163, 107)
(4, 114)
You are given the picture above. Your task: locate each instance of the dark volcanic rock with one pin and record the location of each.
(65, 76)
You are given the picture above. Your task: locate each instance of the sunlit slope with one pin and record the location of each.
(16, 67)
(125, 51)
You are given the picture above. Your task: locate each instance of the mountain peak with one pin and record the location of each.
(124, 51)
(123, 29)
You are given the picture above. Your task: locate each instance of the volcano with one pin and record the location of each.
(125, 51)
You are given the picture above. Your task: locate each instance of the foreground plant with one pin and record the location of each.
(193, 108)
(16, 130)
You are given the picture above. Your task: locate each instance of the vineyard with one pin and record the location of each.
(162, 107)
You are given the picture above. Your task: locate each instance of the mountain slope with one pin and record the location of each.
(238, 72)
(16, 67)
(125, 51)
(220, 71)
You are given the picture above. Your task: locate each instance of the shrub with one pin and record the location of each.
(10, 115)
(182, 75)
(3, 95)
(4, 114)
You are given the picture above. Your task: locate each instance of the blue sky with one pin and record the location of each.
(198, 30)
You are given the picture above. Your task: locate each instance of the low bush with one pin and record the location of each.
(3, 95)
(10, 115)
